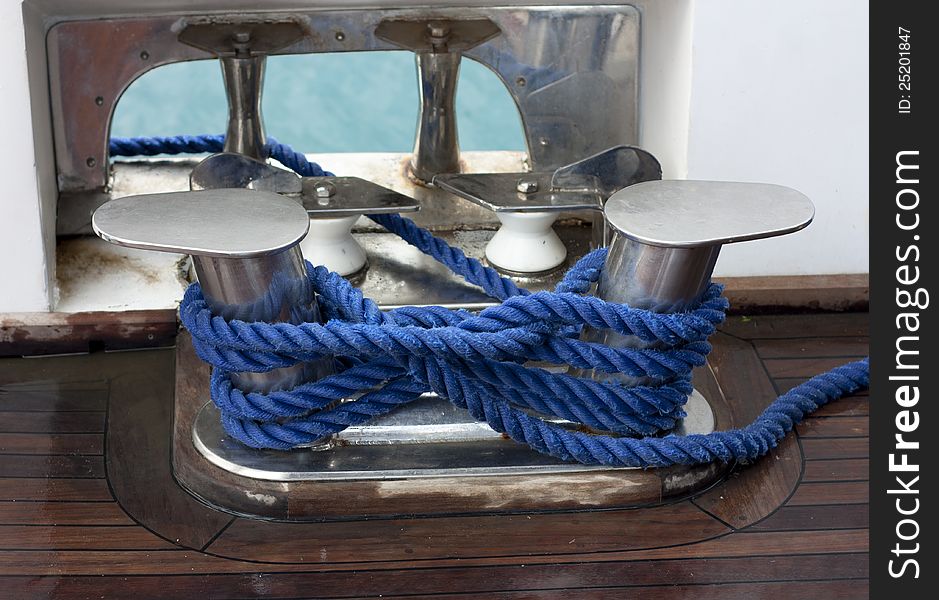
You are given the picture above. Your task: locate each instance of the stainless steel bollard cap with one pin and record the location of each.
(225, 223)
(690, 214)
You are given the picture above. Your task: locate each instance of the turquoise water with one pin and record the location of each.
(351, 102)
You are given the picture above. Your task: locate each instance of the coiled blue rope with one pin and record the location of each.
(390, 358)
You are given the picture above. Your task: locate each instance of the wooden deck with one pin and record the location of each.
(793, 525)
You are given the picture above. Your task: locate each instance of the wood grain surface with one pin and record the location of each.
(792, 525)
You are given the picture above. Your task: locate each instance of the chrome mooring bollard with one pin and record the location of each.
(665, 237)
(438, 46)
(244, 84)
(245, 249)
(242, 46)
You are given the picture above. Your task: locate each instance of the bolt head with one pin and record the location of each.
(526, 186)
(438, 30)
(324, 190)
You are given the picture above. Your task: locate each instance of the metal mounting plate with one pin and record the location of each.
(232, 170)
(574, 99)
(497, 192)
(425, 439)
(585, 184)
(414, 34)
(218, 34)
(352, 196)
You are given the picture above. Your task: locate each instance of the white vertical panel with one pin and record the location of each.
(23, 273)
(779, 94)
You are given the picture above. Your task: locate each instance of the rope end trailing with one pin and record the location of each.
(476, 360)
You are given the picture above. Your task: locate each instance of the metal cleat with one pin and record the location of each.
(333, 203)
(245, 248)
(527, 204)
(242, 46)
(666, 237)
(438, 46)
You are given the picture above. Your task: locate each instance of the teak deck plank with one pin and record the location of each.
(829, 590)
(62, 513)
(793, 525)
(842, 492)
(467, 537)
(368, 582)
(33, 537)
(195, 524)
(852, 406)
(52, 443)
(840, 427)
(745, 498)
(190, 562)
(822, 347)
(803, 518)
(52, 422)
(835, 448)
(797, 326)
(779, 368)
(851, 469)
(49, 465)
(46, 489)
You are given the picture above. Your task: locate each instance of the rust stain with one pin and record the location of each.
(82, 260)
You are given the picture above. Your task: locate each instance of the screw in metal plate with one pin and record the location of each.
(323, 192)
(438, 30)
(526, 186)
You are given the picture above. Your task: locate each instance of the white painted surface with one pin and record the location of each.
(330, 243)
(526, 243)
(779, 94)
(23, 272)
(95, 275)
(665, 81)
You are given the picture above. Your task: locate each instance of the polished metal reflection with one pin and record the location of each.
(346, 196)
(244, 82)
(584, 184)
(667, 235)
(242, 43)
(499, 192)
(688, 214)
(272, 288)
(425, 439)
(652, 278)
(608, 172)
(656, 278)
(245, 250)
(231, 170)
(224, 223)
(436, 145)
(438, 45)
(572, 70)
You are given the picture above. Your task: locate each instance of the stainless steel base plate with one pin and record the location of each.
(427, 438)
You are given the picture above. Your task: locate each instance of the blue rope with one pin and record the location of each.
(476, 360)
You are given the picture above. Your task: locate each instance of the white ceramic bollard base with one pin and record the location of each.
(526, 243)
(330, 243)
